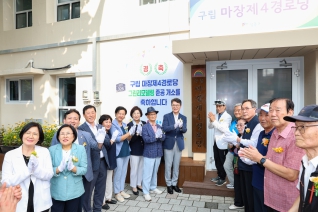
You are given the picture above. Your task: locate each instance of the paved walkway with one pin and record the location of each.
(176, 202)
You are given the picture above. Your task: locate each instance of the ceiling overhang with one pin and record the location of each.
(248, 46)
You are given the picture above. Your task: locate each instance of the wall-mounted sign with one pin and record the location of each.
(229, 17)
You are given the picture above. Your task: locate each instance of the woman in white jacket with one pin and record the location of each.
(31, 167)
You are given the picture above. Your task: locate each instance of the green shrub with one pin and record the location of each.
(10, 134)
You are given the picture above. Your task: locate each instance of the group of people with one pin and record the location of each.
(93, 158)
(269, 156)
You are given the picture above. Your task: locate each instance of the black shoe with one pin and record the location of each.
(169, 190)
(140, 189)
(106, 206)
(135, 192)
(111, 201)
(176, 188)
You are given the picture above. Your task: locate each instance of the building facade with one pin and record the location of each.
(62, 54)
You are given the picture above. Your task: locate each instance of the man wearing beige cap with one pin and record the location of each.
(219, 121)
(306, 133)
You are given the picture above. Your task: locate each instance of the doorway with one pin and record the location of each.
(259, 79)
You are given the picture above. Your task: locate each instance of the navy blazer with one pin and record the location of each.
(152, 145)
(95, 153)
(86, 140)
(173, 135)
(111, 151)
(136, 142)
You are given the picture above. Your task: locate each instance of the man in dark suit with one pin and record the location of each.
(73, 118)
(174, 125)
(99, 159)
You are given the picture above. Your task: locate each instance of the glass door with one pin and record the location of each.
(231, 85)
(259, 79)
(67, 96)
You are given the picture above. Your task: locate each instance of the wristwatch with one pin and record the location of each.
(262, 161)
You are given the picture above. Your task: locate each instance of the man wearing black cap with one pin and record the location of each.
(219, 121)
(306, 133)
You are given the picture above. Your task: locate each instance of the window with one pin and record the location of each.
(23, 14)
(144, 2)
(68, 9)
(67, 96)
(19, 90)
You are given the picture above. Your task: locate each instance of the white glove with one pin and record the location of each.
(139, 129)
(245, 160)
(132, 130)
(159, 133)
(114, 135)
(62, 165)
(33, 163)
(100, 136)
(180, 123)
(176, 124)
(70, 164)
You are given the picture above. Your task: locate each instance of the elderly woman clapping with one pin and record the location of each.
(30, 166)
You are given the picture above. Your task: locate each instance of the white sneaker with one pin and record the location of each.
(147, 197)
(156, 191)
(124, 194)
(230, 186)
(119, 198)
(233, 207)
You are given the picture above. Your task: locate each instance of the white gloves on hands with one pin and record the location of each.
(245, 160)
(132, 130)
(70, 164)
(176, 124)
(180, 123)
(33, 163)
(158, 133)
(139, 129)
(100, 136)
(114, 135)
(62, 165)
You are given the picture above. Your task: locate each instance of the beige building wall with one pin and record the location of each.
(52, 44)
(311, 70)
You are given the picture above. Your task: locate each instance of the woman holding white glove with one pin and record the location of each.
(69, 165)
(121, 135)
(30, 167)
(106, 121)
(137, 148)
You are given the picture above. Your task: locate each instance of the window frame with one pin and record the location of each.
(7, 90)
(21, 12)
(69, 3)
(58, 97)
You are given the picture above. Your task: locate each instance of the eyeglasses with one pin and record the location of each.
(175, 105)
(66, 134)
(237, 111)
(301, 129)
(246, 108)
(240, 125)
(33, 134)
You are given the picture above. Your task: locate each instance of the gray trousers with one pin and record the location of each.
(228, 167)
(172, 159)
